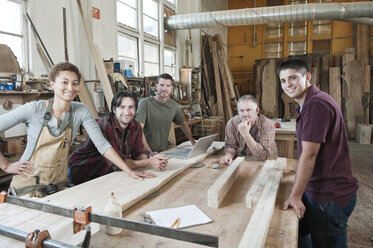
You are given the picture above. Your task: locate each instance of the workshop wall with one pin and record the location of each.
(47, 18)
(196, 6)
(248, 43)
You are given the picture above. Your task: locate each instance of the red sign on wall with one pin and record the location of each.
(96, 13)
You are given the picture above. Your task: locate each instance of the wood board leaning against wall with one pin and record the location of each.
(345, 78)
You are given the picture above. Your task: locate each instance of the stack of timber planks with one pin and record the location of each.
(345, 78)
(218, 92)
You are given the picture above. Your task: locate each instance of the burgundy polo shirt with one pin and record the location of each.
(321, 121)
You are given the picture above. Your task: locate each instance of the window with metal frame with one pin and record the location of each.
(150, 17)
(169, 62)
(128, 51)
(151, 59)
(297, 48)
(11, 28)
(274, 50)
(127, 13)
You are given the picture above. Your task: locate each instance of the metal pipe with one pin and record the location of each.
(277, 14)
(38, 37)
(21, 236)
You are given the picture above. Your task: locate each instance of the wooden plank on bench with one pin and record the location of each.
(217, 192)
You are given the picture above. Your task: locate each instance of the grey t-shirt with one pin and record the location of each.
(32, 114)
(157, 118)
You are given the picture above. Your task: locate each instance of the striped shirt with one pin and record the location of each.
(263, 132)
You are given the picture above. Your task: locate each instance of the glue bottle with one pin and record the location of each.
(113, 209)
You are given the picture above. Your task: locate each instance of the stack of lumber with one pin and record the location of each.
(347, 81)
(264, 190)
(218, 93)
(262, 194)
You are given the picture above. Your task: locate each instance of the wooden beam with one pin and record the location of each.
(226, 66)
(217, 76)
(43, 57)
(86, 98)
(270, 89)
(224, 78)
(217, 192)
(256, 231)
(335, 87)
(364, 133)
(367, 97)
(262, 179)
(100, 67)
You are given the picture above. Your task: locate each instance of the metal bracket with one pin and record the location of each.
(81, 218)
(36, 238)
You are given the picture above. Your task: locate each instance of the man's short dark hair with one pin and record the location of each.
(63, 66)
(165, 76)
(117, 99)
(294, 63)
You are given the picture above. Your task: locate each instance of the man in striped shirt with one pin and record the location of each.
(249, 133)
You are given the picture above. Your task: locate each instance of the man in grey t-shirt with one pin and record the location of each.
(156, 114)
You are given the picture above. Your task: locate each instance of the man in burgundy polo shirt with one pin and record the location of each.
(125, 135)
(324, 191)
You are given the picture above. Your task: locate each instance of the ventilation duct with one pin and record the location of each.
(349, 12)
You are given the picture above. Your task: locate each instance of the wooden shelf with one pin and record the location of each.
(21, 97)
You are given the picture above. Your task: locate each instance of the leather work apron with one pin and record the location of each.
(50, 162)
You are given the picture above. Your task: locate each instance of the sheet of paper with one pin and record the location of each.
(189, 215)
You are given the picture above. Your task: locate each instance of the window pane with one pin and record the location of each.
(127, 47)
(170, 70)
(151, 69)
(132, 3)
(171, 1)
(151, 9)
(15, 44)
(150, 26)
(125, 64)
(322, 27)
(151, 53)
(10, 17)
(126, 15)
(297, 48)
(274, 30)
(169, 58)
(298, 29)
(274, 50)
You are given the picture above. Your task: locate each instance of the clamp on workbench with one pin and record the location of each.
(36, 238)
(81, 218)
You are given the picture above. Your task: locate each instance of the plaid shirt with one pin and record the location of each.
(263, 132)
(86, 163)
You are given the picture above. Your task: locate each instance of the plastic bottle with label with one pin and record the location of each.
(113, 209)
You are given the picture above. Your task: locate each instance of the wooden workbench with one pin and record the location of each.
(229, 221)
(285, 138)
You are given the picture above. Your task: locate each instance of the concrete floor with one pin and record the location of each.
(360, 226)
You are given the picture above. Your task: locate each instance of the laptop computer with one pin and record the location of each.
(200, 147)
